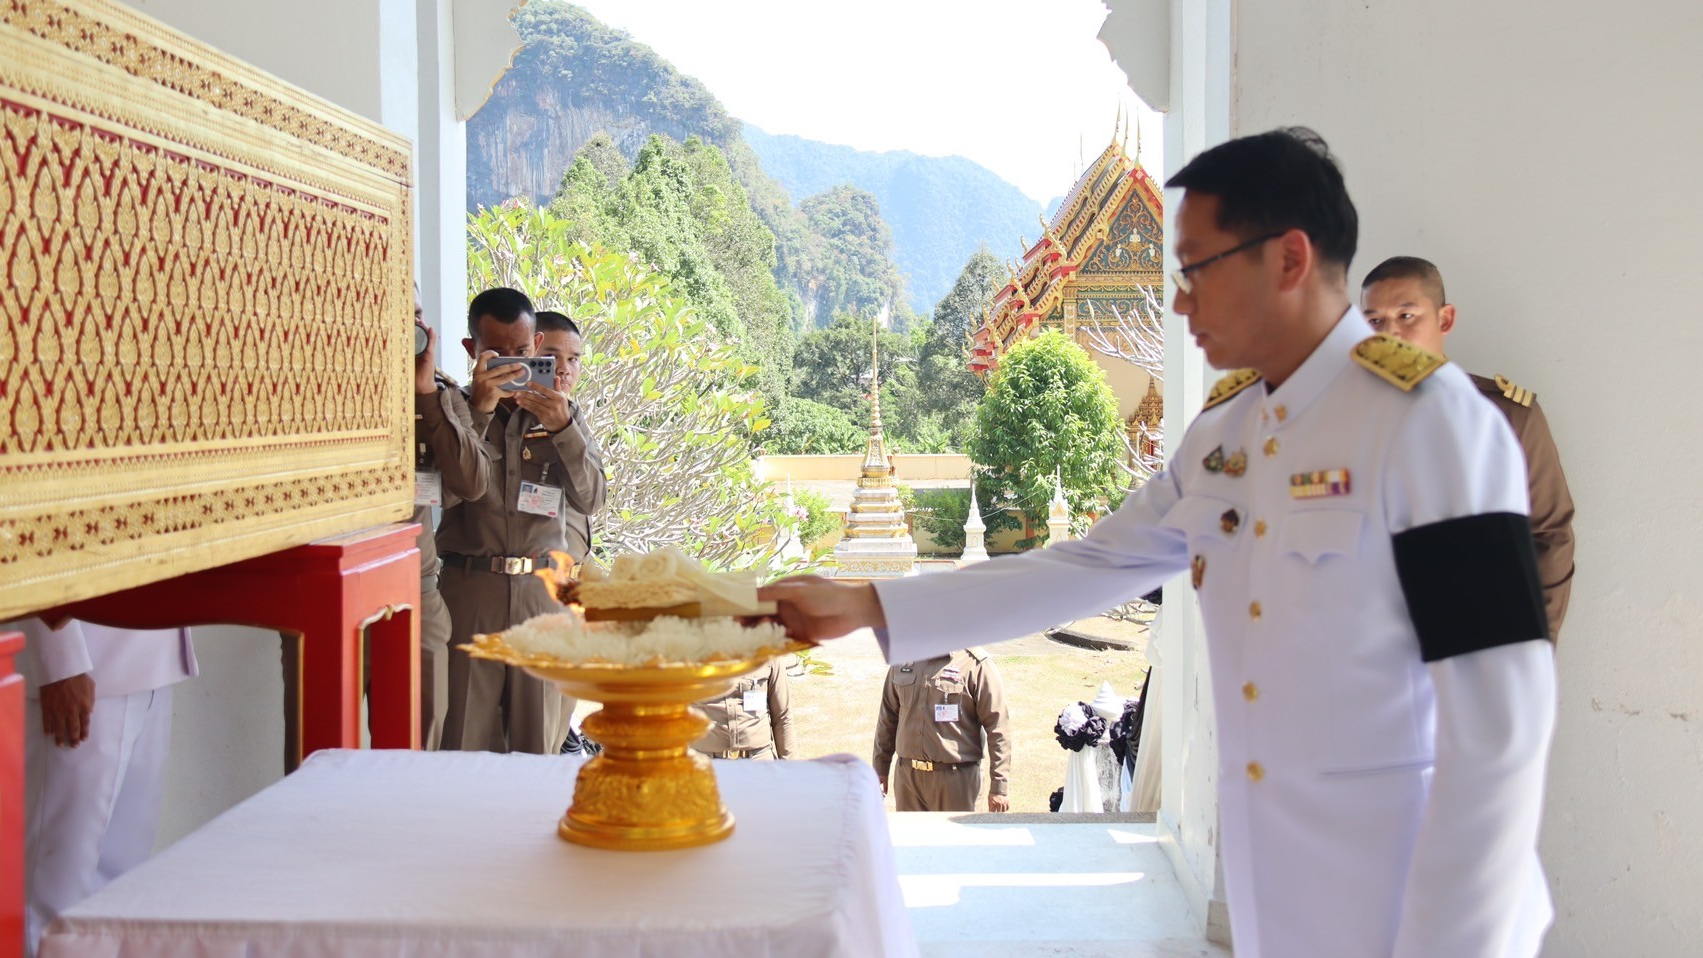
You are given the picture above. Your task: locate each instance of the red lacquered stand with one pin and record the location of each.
(11, 798)
(329, 591)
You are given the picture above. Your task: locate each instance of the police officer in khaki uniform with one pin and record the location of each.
(935, 717)
(544, 482)
(1403, 296)
(753, 720)
(446, 460)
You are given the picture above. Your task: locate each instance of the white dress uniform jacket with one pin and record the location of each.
(1384, 691)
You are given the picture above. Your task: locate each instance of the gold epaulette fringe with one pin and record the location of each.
(1230, 385)
(1401, 364)
(1519, 394)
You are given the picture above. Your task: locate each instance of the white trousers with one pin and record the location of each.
(92, 810)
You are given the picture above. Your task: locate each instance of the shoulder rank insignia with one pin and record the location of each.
(1513, 393)
(1230, 385)
(1402, 365)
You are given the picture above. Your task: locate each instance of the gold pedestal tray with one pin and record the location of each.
(648, 791)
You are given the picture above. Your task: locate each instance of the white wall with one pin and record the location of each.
(328, 47)
(1543, 155)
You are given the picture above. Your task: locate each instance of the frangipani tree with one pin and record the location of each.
(671, 406)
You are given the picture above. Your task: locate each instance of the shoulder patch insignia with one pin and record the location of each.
(1230, 385)
(1401, 364)
(977, 652)
(1513, 393)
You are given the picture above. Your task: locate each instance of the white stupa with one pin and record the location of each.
(1058, 512)
(975, 532)
(877, 543)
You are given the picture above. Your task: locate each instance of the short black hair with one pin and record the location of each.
(1282, 180)
(550, 321)
(501, 304)
(1410, 267)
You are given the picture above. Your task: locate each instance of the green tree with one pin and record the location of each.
(819, 517)
(1047, 410)
(831, 366)
(681, 209)
(948, 390)
(854, 271)
(804, 427)
(670, 402)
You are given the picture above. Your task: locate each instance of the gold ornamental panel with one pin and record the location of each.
(206, 306)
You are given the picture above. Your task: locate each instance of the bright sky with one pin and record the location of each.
(1019, 86)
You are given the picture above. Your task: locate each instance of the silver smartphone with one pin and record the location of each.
(542, 370)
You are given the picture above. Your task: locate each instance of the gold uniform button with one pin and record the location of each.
(1254, 611)
(1256, 771)
(1259, 529)
(1271, 446)
(1250, 691)
(1282, 413)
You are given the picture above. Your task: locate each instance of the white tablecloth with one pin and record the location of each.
(369, 854)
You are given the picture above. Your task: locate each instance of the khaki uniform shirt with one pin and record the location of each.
(516, 449)
(1552, 504)
(942, 710)
(444, 443)
(768, 720)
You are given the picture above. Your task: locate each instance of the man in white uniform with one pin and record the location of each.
(1354, 516)
(97, 730)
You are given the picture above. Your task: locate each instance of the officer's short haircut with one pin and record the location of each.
(550, 321)
(506, 306)
(1278, 181)
(1410, 267)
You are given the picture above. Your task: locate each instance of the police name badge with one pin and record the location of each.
(946, 713)
(756, 700)
(540, 500)
(428, 487)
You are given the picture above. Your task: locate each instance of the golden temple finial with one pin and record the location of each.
(1137, 139)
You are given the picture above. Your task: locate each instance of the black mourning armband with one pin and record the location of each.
(1471, 584)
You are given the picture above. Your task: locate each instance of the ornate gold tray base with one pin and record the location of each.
(648, 791)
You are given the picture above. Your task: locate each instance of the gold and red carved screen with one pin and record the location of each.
(205, 309)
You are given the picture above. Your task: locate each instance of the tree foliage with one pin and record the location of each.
(803, 427)
(946, 387)
(680, 209)
(1048, 409)
(670, 402)
(854, 271)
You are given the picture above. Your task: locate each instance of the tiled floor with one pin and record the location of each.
(1079, 889)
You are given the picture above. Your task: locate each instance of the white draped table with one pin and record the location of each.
(433, 855)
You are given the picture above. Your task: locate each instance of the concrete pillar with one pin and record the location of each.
(1191, 81)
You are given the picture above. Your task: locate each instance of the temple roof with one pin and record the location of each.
(1107, 233)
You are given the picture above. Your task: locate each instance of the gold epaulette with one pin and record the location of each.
(1401, 364)
(1518, 394)
(1230, 385)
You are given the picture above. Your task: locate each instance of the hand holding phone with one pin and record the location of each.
(540, 370)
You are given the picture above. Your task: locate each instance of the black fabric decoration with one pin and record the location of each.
(1078, 727)
(1471, 584)
(1055, 801)
(1126, 731)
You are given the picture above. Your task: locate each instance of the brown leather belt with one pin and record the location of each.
(500, 565)
(926, 766)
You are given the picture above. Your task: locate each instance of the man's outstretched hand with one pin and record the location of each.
(814, 609)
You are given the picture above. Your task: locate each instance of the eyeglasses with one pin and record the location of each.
(1180, 276)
